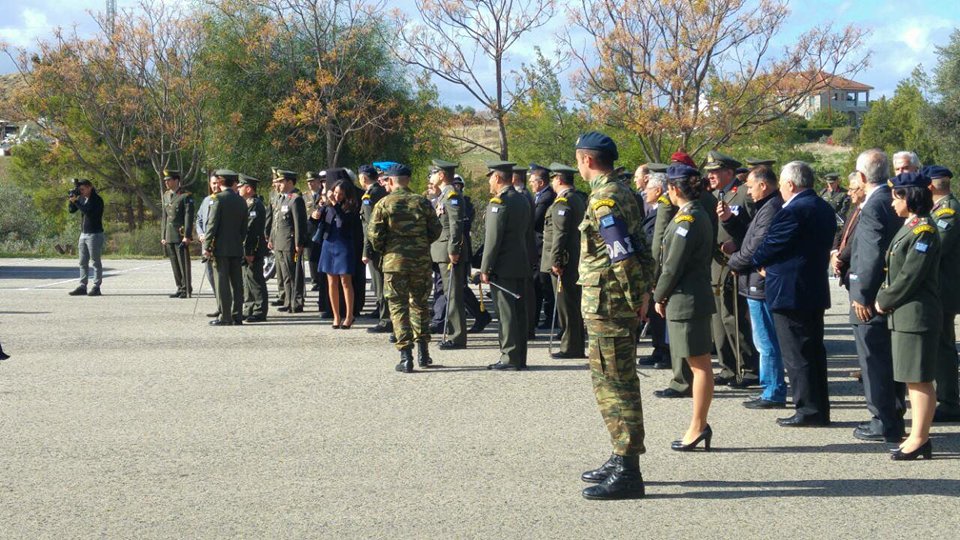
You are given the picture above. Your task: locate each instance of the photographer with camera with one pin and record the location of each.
(84, 197)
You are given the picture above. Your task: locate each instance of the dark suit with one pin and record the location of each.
(795, 253)
(226, 233)
(876, 226)
(542, 284)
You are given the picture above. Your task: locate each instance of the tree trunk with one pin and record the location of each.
(131, 222)
(502, 126)
(140, 212)
(331, 145)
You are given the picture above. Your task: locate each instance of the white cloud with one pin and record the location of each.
(34, 24)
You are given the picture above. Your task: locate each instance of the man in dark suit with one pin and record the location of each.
(543, 197)
(875, 228)
(793, 257)
(843, 240)
(223, 242)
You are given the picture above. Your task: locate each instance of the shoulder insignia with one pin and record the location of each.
(684, 217)
(560, 199)
(366, 197)
(496, 200)
(664, 200)
(924, 228)
(213, 196)
(603, 202)
(452, 194)
(945, 212)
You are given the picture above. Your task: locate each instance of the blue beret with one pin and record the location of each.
(937, 171)
(398, 169)
(679, 170)
(369, 170)
(910, 179)
(594, 140)
(383, 165)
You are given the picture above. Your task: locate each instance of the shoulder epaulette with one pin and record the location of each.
(452, 194)
(366, 196)
(213, 196)
(603, 202)
(560, 199)
(663, 200)
(945, 212)
(924, 228)
(684, 217)
(496, 200)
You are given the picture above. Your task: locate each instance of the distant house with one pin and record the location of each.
(836, 94)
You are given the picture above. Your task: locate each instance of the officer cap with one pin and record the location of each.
(248, 181)
(680, 170)
(285, 175)
(682, 157)
(594, 140)
(560, 168)
(755, 162)
(742, 170)
(519, 169)
(535, 167)
(443, 165)
(226, 173)
(368, 170)
(909, 179)
(312, 175)
(831, 177)
(658, 167)
(937, 171)
(502, 166)
(717, 161)
(171, 174)
(398, 169)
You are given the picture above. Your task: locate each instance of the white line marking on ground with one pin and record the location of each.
(105, 274)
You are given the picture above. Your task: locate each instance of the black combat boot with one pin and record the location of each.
(423, 355)
(406, 361)
(599, 475)
(624, 482)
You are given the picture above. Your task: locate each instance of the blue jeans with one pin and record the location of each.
(90, 247)
(765, 340)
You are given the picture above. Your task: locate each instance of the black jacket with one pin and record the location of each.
(92, 210)
(871, 237)
(749, 281)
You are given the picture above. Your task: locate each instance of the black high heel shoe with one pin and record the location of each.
(925, 450)
(706, 435)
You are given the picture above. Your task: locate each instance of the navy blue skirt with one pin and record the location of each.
(337, 256)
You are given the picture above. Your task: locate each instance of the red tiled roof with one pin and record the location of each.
(824, 80)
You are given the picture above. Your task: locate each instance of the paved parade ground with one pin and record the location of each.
(128, 416)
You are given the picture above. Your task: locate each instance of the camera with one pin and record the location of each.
(75, 192)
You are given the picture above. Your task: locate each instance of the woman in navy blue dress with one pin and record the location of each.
(338, 255)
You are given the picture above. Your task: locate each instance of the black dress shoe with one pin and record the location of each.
(745, 383)
(925, 451)
(380, 328)
(283, 309)
(451, 346)
(942, 416)
(560, 355)
(600, 474)
(761, 403)
(392, 338)
(214, 314)
(671, 393)
(481, 322)
(720, 380)
(276, 303)
(218, 322)
(255, 318)
(95, 291)
(79, 291)
(648, 361)
(867, 433)
(706, 435)
(3, 355)
(436, 328)
(326, 315)
(177, 294)
(798, 420)
(662, 364)
(297, 310)
(624, 481)
(500, 366)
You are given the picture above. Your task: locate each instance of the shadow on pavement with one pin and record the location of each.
(841, 487)
(41, 272)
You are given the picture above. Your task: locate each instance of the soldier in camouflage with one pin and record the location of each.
(402, 227)
(615, 273)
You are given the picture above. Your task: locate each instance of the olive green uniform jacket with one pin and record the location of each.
(912, 284)
(178, 215)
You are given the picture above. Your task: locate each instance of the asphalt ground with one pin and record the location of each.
(128, 416)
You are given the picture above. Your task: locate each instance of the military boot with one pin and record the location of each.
(406, 361)
(599, 475)
(624, 482)
(423, 355)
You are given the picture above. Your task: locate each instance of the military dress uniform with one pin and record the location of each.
(505, 261)
(288, 233)
(274, 201)
(177, 223)
(371, 196)
(451, 213)
(561, 248)
(226, 232)
(944, 217)
(912, 291)
(402, 226)
(256, 301)
(839, 200)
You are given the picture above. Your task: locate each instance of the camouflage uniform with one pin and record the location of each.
(615, 272)
(402, 227)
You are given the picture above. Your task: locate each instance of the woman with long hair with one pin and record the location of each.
(338, 255)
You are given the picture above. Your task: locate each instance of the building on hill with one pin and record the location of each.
(834, 94)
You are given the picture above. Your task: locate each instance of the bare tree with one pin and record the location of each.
(695, 74)
(454, 37)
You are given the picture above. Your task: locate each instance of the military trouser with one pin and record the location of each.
(308, 255)
(569, 317)
(228, 279)
(544, 288)
(255, 301)
(382, 311)
(529, 298)
(613, 370)
(407, 295)
(513, 320)
(948, 393)
(281, 293)
(726, 327)
(454, 279)
(288, 272)
(178, 258)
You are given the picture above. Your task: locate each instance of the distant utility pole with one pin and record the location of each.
(111, 15)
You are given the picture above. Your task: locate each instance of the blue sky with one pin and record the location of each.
(904, 33)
